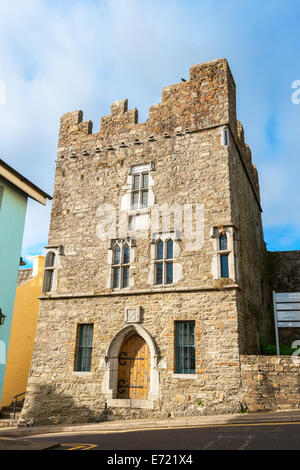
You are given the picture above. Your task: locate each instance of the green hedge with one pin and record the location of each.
(270, 349)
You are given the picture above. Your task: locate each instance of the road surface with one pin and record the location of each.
(258, 436)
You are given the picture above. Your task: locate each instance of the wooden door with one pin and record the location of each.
(134, 368)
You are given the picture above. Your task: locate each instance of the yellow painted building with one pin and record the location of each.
(23, 330)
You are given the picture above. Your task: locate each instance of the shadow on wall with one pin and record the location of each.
(47, 406)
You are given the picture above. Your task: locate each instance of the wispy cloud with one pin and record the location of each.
(83, 54)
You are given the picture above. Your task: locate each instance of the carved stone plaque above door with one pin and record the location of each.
(133, 314)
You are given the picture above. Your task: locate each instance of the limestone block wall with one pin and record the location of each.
(270, 383)
(193, 166)
(57, 394)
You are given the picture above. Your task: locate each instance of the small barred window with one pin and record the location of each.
(84, 347)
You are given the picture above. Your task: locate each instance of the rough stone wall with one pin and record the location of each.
(285, 267)
(58, 394)
(270, 383)
(92, 169)
(194, 166)
(182, 140)
(254, 296)
(201, 102)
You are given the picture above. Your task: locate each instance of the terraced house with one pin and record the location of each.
(156, 281)
(15, 190)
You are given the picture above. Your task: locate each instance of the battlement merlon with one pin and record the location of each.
(119, 120)
(71, 126)
(207, 99)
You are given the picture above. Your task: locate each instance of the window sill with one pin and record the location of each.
(162, 286)
(82, 373)
(120, 289)
(184, 376)
(144, 210)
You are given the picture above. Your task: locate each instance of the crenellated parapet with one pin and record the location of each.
(206, 100)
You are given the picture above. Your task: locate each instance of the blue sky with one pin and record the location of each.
(58, 56)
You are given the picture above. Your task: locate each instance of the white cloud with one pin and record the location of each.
(83, 54)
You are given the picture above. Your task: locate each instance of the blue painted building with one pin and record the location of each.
(14, 192)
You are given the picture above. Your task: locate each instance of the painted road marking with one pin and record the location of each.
(208, 445)
(246, 443)
(78, 446)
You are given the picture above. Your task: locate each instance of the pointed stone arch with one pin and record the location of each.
(111, 367)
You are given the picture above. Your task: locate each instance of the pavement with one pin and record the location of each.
(7, 443)
(12, 438)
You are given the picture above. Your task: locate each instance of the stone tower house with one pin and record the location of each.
(155, 279)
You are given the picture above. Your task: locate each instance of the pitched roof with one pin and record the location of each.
(23, 183)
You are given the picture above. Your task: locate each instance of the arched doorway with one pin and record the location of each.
(134, 368)
(110, 365)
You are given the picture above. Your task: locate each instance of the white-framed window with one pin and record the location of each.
(120, 266)
(224, 262)
(223, 255)
(138, 198)
(185, 347)
(164, 251)
(52, 266)
(140, 189)
(165, 268)
(49, 272)
(84, 347)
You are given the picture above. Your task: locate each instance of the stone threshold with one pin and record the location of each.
(139, 292)
(130, 403)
